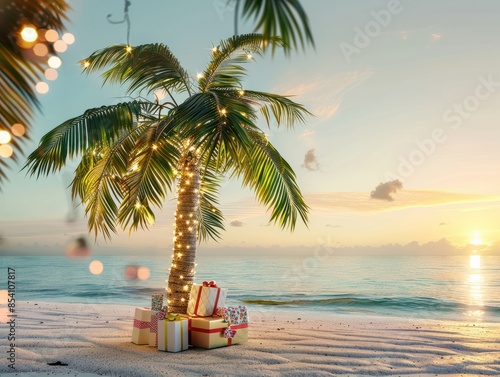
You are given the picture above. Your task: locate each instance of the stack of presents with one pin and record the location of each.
(207, 324)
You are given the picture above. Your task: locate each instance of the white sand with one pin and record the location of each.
(95, 340)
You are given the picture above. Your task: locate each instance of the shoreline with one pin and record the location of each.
(94, 339)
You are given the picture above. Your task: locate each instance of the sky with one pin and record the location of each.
(401, 154)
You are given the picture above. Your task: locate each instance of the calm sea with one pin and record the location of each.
(404, 286)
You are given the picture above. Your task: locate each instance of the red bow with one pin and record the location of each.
(210, 283)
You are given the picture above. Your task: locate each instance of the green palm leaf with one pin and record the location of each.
(265, 171)
(284, 18)
(210, 217)
(74, 136)
(99, 182)
(224, 69)
(151, 174)
(146, 67)
(280, 108)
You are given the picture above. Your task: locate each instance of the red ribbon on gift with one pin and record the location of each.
(141, 324)
(210, 283)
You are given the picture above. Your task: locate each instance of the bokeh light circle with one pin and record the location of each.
(96, 267)
(143, 273)
(68, 38)
(40, 49)
(51, 35)
(42, 87)
(54, 62)
(5, 137)
(18, 129)
(51, 74)
(6, 151)
(29, 34)
(60, 46)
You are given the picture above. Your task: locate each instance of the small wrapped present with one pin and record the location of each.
(157, 302)
(140, 331)
(233, 314)
(205, 299)
(173, 333)
(213, 332)
(153, 328)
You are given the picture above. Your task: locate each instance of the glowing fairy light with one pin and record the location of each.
(29, 34)
(249, 56)
(128, 49)
(54, 62)
(86, 64)
(5, 137)
(199, 76)
(241, 92)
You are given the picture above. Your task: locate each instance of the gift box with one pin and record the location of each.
(233, 314)
(213, 332)
(140, 331)
(157, 302)
(153, 328)
(205, 299)
(173, 333)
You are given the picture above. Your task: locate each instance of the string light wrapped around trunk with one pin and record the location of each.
(182, 269)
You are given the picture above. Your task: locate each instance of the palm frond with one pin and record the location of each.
(280, 108)
(224, 69)
(151, 174)
(101, 195)
(272, 179)
(75, 136)
(99, 181)
(146, 67)
(284, 18)
(210, 217)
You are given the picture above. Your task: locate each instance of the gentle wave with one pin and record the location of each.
(388, 303)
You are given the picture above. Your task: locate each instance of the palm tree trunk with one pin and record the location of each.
(182, 269)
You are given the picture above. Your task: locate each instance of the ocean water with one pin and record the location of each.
(436, 287)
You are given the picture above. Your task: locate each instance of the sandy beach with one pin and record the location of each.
(95, 340)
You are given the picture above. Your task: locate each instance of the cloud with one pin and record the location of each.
(310, 161)
(333, 226)
(326, 203)
(237, 223)
(323, 96)
(441, 224)
(384, 190)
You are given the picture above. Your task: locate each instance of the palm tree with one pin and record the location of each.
(133, 153)
(20, 68)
